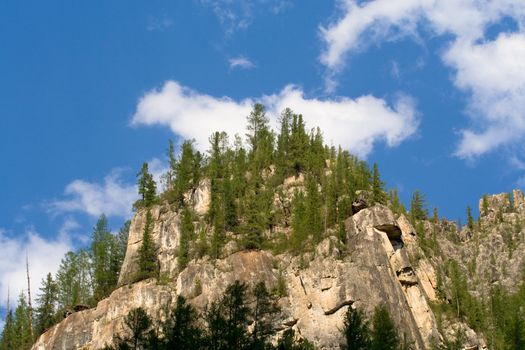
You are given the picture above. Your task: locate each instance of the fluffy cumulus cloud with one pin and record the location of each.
(491, 70)
(113, 197)
(356, 124)
(44, 255)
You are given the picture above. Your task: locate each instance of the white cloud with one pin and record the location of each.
(238, 15)
(356, 124)
(44, 255)
(241, 62)
(159, 24)
(158, 168)
(490, 70)
(112, 198)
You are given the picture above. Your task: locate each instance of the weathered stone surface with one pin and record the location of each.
(495, 203)
(519, 201)
(94, 328)
(165, 234)
(200, 197)
(320, 286)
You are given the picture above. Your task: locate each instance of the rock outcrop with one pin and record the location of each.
(373, 269)
(383, 261)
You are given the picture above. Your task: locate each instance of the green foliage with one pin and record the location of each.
(485, 205)
(138, 331)
(172, 161)
(8, 338)
(147, 258)
(45, 312)
(313, 217)
(255, 219)
(74, 281)
(395, 204)
(378, 191)
(356, 330)
(470, 219)
(181, 328)
(263, 314)
(21, 325)
(118, 252)
(147, 187)
(240, 319)
(226, 319)
(103, 248)
(287, 342)
(418, 210)
(435, 215)
(384, 335)
(466, 306)
(186, 235)
(299, 222)
(186, 172)
(281, 290)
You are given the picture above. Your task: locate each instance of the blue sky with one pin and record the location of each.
(91, 89)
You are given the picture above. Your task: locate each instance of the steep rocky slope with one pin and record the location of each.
(382, 262)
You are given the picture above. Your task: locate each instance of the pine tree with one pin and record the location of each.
(264, 312)
(182, 331)
(485, 205)
(216, 173)
(118, 250)
(227, 319)
(283, 144)
(313, 209)
(395, 204)
(147, 187)
(470, 219)
(172, 162)
(384, 335)
(23, 339)
(258, 125)
(186, 234)
(186, 172)
(299, 222)
(299, 143)
(230, 206)
(435, 215)
(101, 252)
(147, 256)
(138, 326)
(418, 209)
(378, 192)
(356, 330)
(8, 338)
(46, 305)
(254, 225)
(316, 154)
(73, 278)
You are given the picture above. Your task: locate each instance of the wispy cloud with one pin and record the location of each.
(491, 71)
(241, 62)
(394, 70)
(356, 124)
(239, 15)
(44, 256)
(112, 197)
(159, 24)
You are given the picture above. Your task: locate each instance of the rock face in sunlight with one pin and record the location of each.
(382, 262)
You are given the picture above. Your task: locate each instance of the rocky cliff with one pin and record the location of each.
(381, 262)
